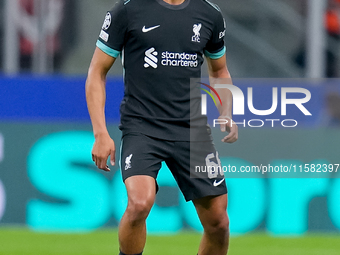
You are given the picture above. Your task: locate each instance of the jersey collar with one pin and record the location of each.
(174, 7)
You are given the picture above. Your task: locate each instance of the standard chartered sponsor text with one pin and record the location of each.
(179, 59)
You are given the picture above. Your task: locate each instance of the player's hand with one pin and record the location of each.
(231, 128)
(104, 147)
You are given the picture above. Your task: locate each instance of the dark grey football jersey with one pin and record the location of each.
(162, 47)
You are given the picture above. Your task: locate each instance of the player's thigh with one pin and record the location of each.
(140, 163)
(141, 190)
(212, 210)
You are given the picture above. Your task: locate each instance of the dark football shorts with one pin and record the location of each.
(189, 163)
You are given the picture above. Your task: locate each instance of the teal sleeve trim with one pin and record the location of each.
(216, 55)
(109, 51)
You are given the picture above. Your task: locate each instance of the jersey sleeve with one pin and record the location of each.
(112, 36)
(215, 47)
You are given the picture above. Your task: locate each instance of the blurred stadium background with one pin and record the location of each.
(48, 182)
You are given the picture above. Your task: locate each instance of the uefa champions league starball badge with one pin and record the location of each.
(107, 21)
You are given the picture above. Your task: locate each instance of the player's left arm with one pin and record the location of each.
(219, 74)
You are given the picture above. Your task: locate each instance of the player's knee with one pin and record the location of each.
(218, 226)
(139, 209)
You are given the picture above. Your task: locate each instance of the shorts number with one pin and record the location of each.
(213, 168)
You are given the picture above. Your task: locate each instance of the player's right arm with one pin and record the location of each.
(104, 146)
(109, 46)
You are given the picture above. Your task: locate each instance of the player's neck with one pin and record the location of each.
(174, 2)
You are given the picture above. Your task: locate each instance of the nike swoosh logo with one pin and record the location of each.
(145, 30)
(217, 183)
